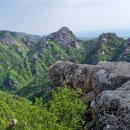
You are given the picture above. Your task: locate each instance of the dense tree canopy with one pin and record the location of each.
(64, 111)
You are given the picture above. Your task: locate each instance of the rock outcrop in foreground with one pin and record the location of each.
(106, 87)
(112, 109)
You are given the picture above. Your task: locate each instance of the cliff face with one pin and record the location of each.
(106, 87)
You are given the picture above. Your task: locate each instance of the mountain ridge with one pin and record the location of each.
(37, 56)
(27, 70)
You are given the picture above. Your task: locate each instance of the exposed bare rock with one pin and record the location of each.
(104, 76)
(105, 36)
(75, 75)
(9, 40)
(13, 122)
(65, 38)
(112, 109)
(106, 86)
(88, 98)
(110, 75)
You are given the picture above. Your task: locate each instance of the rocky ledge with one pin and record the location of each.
(106, 87)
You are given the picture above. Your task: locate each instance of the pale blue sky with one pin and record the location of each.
(46, 16)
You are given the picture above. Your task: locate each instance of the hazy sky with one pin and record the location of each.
(45, 16)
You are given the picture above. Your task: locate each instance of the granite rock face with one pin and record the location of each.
(65, 38)
(110, 75)
(9, 40)
(112, 109)
(107, 86)
(104, 76)
(75, 75)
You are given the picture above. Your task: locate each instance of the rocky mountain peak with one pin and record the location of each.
(65, 30)
(65, 38)
(105, 36)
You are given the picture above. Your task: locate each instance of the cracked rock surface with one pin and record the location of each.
(107, 86)
(112, 109)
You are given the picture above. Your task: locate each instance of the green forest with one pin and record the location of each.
(25, 101)
(63, 111)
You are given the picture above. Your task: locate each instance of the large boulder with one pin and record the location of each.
(112, 109)
(75, 75)
(104, 76)
(110, 75)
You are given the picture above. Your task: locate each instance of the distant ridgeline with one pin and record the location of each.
(25, 59)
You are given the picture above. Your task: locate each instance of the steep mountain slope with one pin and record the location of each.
(15, 70)
(25, 59)
(11, 38)
(7, 39)
(107, 47)
(63, 41)
(14, 65)
(126, 51)
(28, 58)
(46, 53)
(24, 63)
